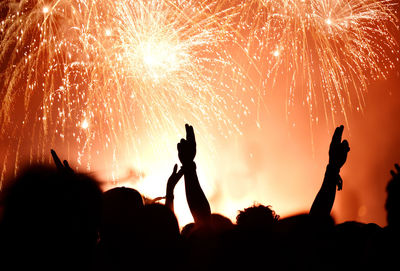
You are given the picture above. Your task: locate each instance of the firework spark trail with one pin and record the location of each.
(101, 71)
(327, 51)
(91, 71)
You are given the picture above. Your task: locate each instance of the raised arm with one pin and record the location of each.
(172, 181)
(323, 202)
(197, 201)
(392, 204)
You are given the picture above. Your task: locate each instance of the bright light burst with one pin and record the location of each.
(103, 75)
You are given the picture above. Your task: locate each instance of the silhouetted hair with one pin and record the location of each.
(257, 217)
(121, 205)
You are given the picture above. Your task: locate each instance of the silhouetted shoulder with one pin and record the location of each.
(51, 219)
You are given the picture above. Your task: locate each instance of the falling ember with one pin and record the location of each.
(45, 10)
(108, 32)
(85, 124)
(328, 21)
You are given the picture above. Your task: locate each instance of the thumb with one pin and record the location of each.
(346, 145)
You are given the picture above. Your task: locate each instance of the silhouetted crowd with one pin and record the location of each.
(53, 218)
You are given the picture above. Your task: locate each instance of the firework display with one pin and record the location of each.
(100, 71)
(101, 75)
(323, 52)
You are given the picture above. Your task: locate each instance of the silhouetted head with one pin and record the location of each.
(121, 206)
(392, 204)
(51, 216)
(158, 224)
(159, 237)
(221, 223)
(119, 243)
(206, 245)
(187, 229)
(257, 217)
(303, 222)
(354, 240)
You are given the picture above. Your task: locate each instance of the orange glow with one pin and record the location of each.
(110, 84)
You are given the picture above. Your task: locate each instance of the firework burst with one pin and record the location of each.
(323, 52)
(108, 71)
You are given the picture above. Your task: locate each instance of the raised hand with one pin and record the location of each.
(338, 149)
(187, 147)
(197, 201)
(172, 181)
(396, 175)
(392, 204)
(62, 166)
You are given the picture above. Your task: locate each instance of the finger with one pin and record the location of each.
(187, 130)
(346, 145)
(393, 173)
(190, 133)
(66, 164)
(175, 169)
(397, 167)
(179, 147)
(179, 174)
(56, 160)
(337, 135)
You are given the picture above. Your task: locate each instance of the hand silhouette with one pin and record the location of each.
(187, 147)
(61, 166)
(396, 175)
(323, 202)
(173, 180)
(338, 149)
(196, 199)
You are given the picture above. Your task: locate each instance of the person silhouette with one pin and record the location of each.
(385, 251)
(205, 238)
(338, 150)
(392, 204)
(160, 239)
(172, 181)
(51, 220)
(196, 199)
(257, 217)
(119, 232)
